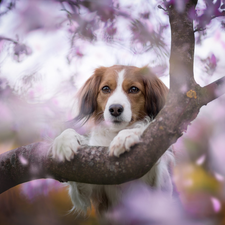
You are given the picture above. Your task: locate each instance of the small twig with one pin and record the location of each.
(219, 15)
(199, 29)
(160, 7)
(8, 39)
(10, 7)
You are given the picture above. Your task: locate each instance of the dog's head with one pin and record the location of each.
(121, 95)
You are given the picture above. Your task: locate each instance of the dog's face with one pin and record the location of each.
(121, 95)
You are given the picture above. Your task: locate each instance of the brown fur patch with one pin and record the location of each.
(152, 95)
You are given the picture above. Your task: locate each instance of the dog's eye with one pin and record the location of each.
(133, 90)
(106, 89)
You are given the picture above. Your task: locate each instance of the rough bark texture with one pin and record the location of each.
(182, 48)
(93, 164)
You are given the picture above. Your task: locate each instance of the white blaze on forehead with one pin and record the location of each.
(120, 80)
(119, 97)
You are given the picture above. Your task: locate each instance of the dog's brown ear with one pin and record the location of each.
(155, 92)
(88, 95)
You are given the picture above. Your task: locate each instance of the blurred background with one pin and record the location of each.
(48, 48)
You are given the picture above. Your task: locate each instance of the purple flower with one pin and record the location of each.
(36, 188)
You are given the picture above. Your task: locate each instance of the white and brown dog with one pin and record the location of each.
(120, 102)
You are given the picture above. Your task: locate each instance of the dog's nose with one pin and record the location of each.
(116, 110)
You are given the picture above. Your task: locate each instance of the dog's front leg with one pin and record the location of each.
(123, 141)
(63, 148)
(127, 138)
(66, 144)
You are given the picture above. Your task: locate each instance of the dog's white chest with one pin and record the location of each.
(101, 137)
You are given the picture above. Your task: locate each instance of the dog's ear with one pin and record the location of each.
(155, 92)
(88, 95)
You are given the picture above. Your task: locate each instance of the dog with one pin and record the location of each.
(119, 102)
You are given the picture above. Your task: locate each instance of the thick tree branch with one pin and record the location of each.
(93, 164)
(182, 48)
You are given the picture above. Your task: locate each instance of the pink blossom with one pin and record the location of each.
(216, 204)
(36, 188)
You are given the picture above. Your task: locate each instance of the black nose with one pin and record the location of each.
(116, 109)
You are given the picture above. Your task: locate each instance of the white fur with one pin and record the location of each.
(127, 138)
(119, 138)
(66, 144)
(118, 97)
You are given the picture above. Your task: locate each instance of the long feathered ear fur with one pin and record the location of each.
(156, 92)
(88, 95)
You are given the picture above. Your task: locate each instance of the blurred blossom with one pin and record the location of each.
(79, 53)
(222, 4)
(218, 152)
(199, 173)
(219, 39)
(216, 204)
(191, 178)
(198, 130)
(6, 6)
(144, 33)
(86, 29)
(77, 50)
(20, 50)
(36, 14)
(23, 160)
(36, 188)
(5, 113)
(111, 30)
(87, 26)
(201, 160)
(159, 70)
(210, 64)
(103, 8)
(145, 15)
(106, 12)
(141, 31)
(197, 189)
(219, 177)
(92, 21)
(207, 11)
(42, 120)
(142, 205)
(72, 27)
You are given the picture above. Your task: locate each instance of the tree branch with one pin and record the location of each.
(213, 91)
(182, 48)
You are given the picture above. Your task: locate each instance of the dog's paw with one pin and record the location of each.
(65, 145)
(123, 141)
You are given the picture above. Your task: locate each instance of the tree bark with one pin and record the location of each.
(93, 164)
